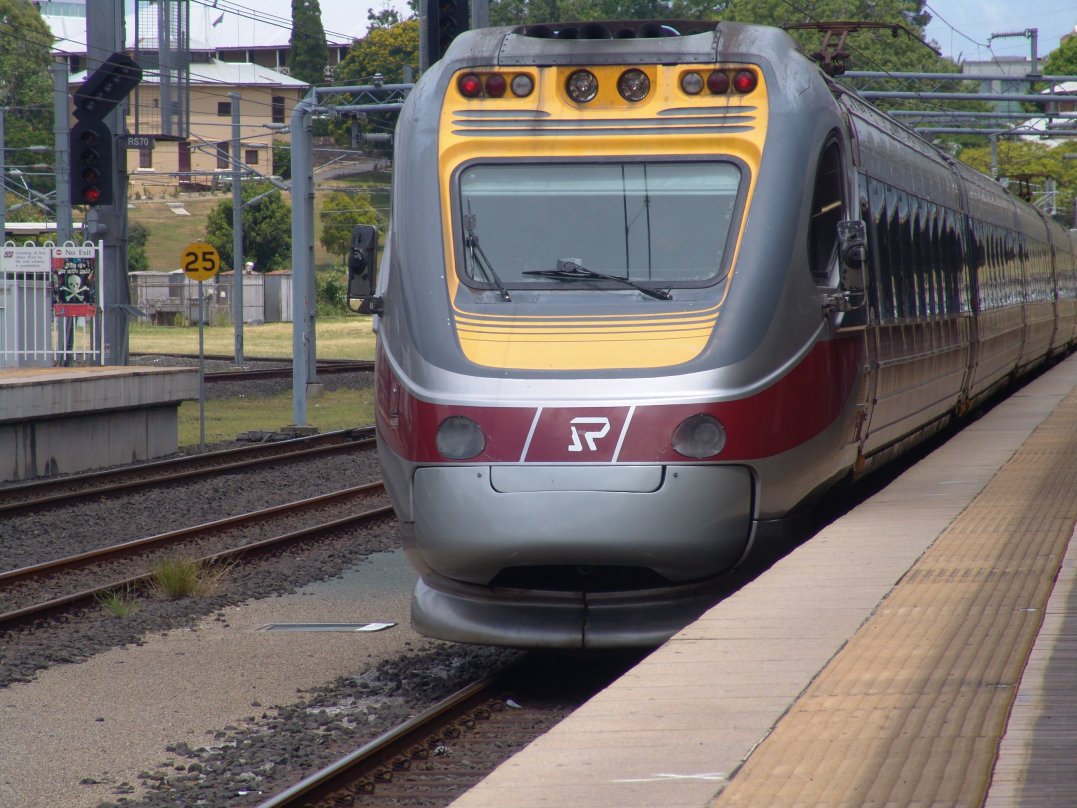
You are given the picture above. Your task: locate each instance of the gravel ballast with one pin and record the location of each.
(165, 706)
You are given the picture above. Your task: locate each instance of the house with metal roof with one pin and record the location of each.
(193, 74)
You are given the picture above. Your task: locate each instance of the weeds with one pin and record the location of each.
(175, 578)
(120, 603)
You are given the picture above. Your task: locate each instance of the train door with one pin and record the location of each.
(837, 260)
(836, 222)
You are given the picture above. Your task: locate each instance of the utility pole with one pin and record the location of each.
(237, 229)
(304, 352)
(3, 182)
(65, 229)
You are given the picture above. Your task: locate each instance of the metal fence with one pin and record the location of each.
(171, 298)
(49, 305)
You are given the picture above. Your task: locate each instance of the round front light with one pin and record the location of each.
(692, 83)
(582, 86)
(699, 436)
(633, 85)
(522, 85)
(460, 438)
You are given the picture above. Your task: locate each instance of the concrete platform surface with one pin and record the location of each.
(798, 688)
(66, 420)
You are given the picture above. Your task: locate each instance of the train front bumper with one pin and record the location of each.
(645, 618)
(685, 524)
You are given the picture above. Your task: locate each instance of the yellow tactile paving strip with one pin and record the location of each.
(911, 711)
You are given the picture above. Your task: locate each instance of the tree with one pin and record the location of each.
(1062, 61)
(309, 53)
(267, 228)
(384, 50)
(1026, 166)
(137, 236)
(876, 50)
(340, 212)
(25, 84)
(282, 160)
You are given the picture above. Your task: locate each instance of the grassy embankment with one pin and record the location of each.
(175, 222)
(342, 338)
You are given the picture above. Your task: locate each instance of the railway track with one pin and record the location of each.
(372, 767)
(326, 368)
(72, 489)
(434, 757)
(267, 367)
(233, 534)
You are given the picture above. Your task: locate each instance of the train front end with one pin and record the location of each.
(568, 439)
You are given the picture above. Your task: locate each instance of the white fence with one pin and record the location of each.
(50, 312)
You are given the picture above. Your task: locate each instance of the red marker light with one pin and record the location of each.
(744, 81)
(470, 85)
(496, 85)
(718, 83)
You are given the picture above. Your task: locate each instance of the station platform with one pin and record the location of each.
(66, 420)
(919, 651)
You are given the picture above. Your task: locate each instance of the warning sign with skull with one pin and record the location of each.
(74, 282)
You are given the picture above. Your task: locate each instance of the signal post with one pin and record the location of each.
(112, 75)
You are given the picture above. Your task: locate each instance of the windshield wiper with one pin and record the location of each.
(570, 270)
(478, 257)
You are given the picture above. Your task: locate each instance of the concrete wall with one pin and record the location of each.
(63, 421)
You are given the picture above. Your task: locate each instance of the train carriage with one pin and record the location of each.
(650, 287)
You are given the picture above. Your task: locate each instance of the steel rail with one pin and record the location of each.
(206, 464)
(285, 372)
(162, 539)
(87, 596)
(379, 752)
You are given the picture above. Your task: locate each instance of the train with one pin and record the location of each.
(650, 289)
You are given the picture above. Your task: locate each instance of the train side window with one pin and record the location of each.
(826, 211)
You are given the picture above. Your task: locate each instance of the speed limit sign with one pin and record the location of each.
(200, 261)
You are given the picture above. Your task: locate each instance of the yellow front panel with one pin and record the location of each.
(548, 124)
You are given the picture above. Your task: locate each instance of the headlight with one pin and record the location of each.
(582, 86)
(699, 436)
(460, 438)
(633, 85)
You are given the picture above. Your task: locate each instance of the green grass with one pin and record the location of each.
(118, 603)
(169, 232)
(175, 578)
(228, 417)
(335, 338)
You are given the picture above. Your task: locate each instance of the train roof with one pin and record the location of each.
(620, 41)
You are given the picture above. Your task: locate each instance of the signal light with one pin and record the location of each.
(496, 85)
(445, 20)
(718, 82)
(470, 85)
(91, 150)
(692, 83)
(744, 81)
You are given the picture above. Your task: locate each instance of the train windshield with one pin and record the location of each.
(663, 223)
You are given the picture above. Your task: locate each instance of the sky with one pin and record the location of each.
(962, 28)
